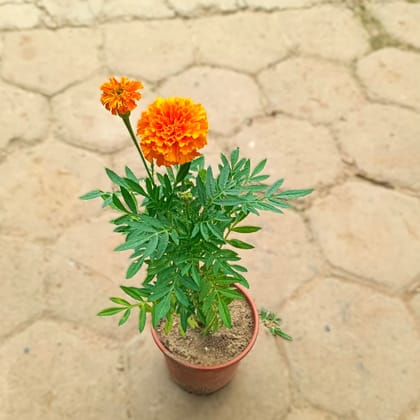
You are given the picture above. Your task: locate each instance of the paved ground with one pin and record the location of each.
(328, 90)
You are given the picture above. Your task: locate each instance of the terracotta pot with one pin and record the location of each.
(199, 379)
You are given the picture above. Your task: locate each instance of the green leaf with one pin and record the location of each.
(151, 246)
(129, 199)
(120, 301)
(239, 244)
(117, 203)
(200, 190)
(142, 317)
(189, 284)
(291, 194)
(223, 177)
(182, 173)
(125, 316)
(215, 231)
(231, 293)
(280, 203)
(210, 183)
(129, 174)
(195, 276)
(134, 186)
(224, 313)
(240, 268)
(182, 297)
(161, 309)
(266, 206)
(260, 178)
(246, 229)
(204, 231)
(110, 311)
(134, 268)
(91, 194)
(116, 179)
(107, 200)
(134, 292)
(162, 244)
(234, 156)
(195, 231)
(274, 187)
(259, 168)
(174, 236)
(280, 333)
(167, 183)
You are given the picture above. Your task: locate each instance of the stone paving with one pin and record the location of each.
(329, 90)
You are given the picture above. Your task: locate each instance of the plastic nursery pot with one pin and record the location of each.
(199, 379)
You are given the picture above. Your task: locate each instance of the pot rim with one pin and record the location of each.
(230, 362)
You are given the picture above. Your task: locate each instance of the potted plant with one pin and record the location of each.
(183, 224)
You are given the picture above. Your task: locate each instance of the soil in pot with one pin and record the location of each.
(212, 349)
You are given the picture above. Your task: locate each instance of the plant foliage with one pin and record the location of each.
(184, 227)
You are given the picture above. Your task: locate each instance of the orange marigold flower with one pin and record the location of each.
(120, 97)
(172, 130)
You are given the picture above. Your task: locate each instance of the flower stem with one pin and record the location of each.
(127, 123)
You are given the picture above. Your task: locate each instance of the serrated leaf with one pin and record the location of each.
(231, 293)
(120, 301)
(142, 317)
(182, 297)
(117, 203)
(223, 177)
(129, 199)
(167, 184)
(116, 179)
(239, 244)
(158, 294)
(258, 168)
(208, 302)
(268, 207)
(210, 183)
(280, 203)
(224, 160)
(134, 292)
(200, 190)
(274, 187)
(240, 268)
(260, 178)
(189, 284)
(134, 268)
(215, 231)
(91, 194)
(110, 311)
(234, 156)
(161, 309)
(195, 275)
(134, 186)
(174, 236)
(151, 246)
(291, 194)
(246, 229)
(130, 174)
(162, 244)
(182, 173)
(204, 231)
(125, 316)
(195, 231)
(224, 313)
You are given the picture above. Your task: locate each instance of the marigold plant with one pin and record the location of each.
(183, 224)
